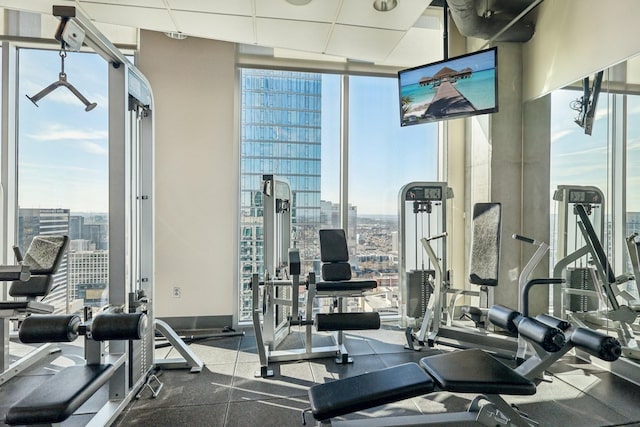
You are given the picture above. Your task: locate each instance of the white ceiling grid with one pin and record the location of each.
(351, 29)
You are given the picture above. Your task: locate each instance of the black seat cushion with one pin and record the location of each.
(336, 271)
(475, 371)
(368, 390)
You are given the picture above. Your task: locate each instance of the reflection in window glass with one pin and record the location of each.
(63, 171)
(633, 195)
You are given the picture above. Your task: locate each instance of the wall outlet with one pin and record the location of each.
(176, 291)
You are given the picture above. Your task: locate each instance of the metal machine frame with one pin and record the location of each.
(603, 308)
(276, 299)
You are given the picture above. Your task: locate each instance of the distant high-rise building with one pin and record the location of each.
(76, 222)
(280, 135)
(34, 222)
(89, 277)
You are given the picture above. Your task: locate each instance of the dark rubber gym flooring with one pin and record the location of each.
(226, 393)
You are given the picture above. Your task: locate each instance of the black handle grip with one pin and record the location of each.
(523, 238)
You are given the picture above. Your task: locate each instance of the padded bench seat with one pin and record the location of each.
(475, 371)
(352, 394)
(60, 396)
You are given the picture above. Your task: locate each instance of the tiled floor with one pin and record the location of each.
(226, 393)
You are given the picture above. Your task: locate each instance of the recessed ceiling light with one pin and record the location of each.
(384, 5)
(299, 2)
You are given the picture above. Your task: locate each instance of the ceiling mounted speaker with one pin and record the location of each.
(299, 2)
(385, 5)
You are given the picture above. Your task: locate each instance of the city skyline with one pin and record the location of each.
(63, 145)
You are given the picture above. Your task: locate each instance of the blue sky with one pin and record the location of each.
(63, 151)
(63, 161)
(383, 156)
(580, 159)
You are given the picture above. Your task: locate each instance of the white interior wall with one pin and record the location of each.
(196, 170)
(576, 38)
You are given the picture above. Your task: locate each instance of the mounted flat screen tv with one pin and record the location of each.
(463, 86)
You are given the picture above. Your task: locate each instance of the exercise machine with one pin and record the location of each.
(131, 229)
(276, 298)
(465, 371)
(58, 397)
(422, 209)
(593, 296)
(31, 281)
(444, 321)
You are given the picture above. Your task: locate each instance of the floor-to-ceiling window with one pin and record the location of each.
(292, 125)
(63, 170)
(383, 157)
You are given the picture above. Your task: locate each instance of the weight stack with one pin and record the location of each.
(419, 291)
(580, 278)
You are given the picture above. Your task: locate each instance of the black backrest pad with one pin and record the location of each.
(333, 245)
(484, 259)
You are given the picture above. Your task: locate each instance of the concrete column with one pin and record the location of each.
(536, 190)
(505, 176)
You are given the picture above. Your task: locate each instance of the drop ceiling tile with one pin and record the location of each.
(213, 26)
(298, 35)
(367, 44)
(130, 16)
(418, 46)
(226, 7)
(361, 12)
(156, 4)
(309, 56)
(42, 6)
(317, 10)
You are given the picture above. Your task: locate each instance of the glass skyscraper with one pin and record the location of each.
(280, 135)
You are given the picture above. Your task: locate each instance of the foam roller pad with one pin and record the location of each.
(550, 339)
(118, 326)
(39, 328)
(504, 317)
(554, 322)
(347, 321)
(597, 344)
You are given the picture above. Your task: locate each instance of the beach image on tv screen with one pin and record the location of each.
(458, 87)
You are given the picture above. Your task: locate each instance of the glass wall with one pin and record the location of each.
(63, 171)
(595, 202)
(291, 126)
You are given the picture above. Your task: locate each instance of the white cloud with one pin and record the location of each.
(558, 135)
(56, 132)
(93, 148)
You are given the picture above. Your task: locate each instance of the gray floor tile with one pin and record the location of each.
(187, 416)
(289, 380)
(182, 388)
(268, 413)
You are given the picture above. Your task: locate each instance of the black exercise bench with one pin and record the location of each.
(60, 396)
(63, 393)
(465, 371)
